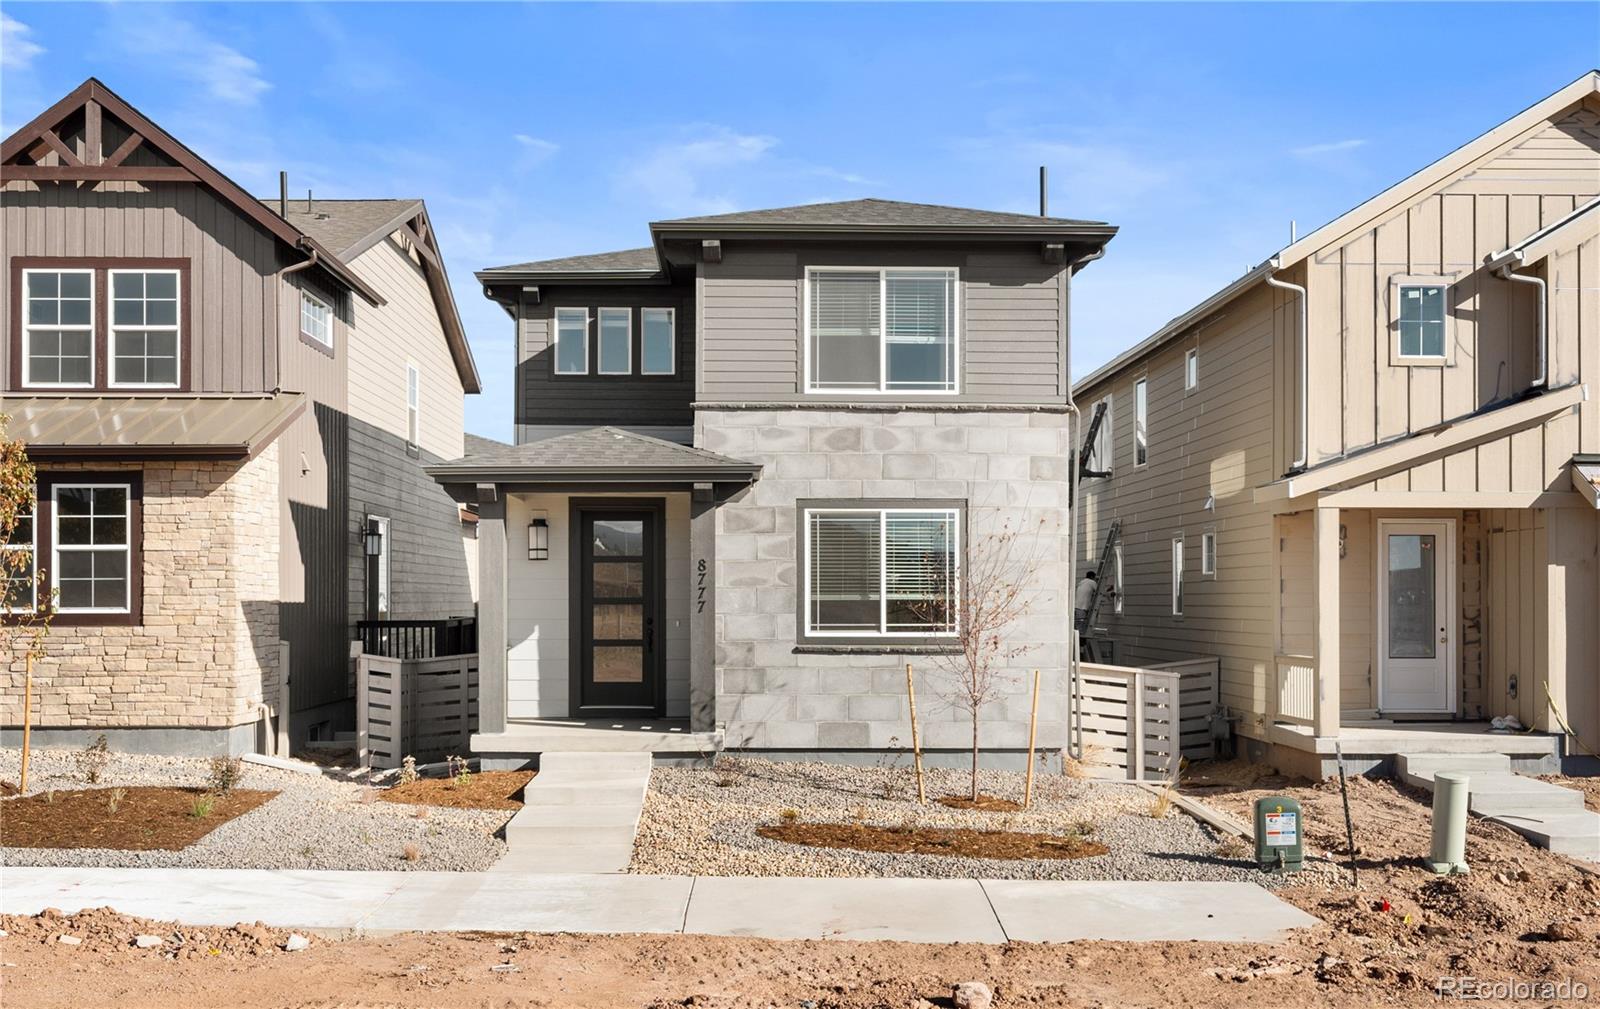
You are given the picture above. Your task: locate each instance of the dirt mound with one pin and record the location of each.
(106, 933)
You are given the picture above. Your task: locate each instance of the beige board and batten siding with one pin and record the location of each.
(404, 331)
(233, 264)
(1011, 306)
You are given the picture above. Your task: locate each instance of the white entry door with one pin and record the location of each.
(1416, 616)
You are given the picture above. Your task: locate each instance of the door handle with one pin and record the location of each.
(649, 634)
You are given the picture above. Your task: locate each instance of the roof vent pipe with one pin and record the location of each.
(283, 195)
(1305, 413)
(1541, 332)
(308, 201)
(1044, 191)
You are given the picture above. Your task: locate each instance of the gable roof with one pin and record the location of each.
(876, 214)
(595, 455)
(95, 98)
(1352, 220)
(1539, 244)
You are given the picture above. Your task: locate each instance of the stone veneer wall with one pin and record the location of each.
(1008, 465)
(207, 651)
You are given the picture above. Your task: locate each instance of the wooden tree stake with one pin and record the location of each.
(1033, 729)
(27, 721)
(916, 746)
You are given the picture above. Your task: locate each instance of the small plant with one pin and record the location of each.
(49, 797)
(224, 775)
(114, 799)
(307, 851)
(367, 796)
(788, 815)
(890, 764)
(420, 812)
(411, 851)
(92, 759)
(1161, 805)
(1083, 828)
(460, 774)
(408, 770)
(203, 806)
(859, 814)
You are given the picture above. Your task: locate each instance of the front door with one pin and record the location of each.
(1416, 617)
(618, 587)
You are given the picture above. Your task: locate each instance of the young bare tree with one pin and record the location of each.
(990, 595)
(22, 594)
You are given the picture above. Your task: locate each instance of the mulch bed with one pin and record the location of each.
(953, 841)
(983, 803)
(484, 790)
(149, 818)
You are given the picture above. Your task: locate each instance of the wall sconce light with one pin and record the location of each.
(1344, 536)
(372, 538)
(538, 538)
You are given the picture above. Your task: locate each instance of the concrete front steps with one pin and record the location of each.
(579, 814)
(1548, 815)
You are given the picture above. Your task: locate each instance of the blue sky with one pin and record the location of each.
(539, 131)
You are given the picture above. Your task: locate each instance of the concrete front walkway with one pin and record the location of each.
(910, 910)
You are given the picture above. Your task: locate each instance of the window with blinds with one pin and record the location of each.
(881, 572)
(881, 330)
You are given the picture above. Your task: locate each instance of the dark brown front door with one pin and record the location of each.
(618, 589)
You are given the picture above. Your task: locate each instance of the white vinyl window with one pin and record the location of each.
(413, 404)
(881, 330)
(1141, 422)
(1191, 370)
(18, 586)
(572, 341)
(1116, 563)
(1100, 449)
(1208, 552)
(58, 329)
(658, 352)
(144, 328)
(91, 556)
(881, 572)
(316, 319)
(1177, 576)
(616, 341)
(1422, 320)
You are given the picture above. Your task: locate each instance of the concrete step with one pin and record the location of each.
(595, 762)
(569, 826)
(1575, 834)
(1548, 815)
(1409, 766)
(1493, 794)
(552, 859)
(603, 793)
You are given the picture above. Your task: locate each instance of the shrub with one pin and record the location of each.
(203, 806)
(411, 851)
(789, 815)
(114, 799)
(1161, 805)
(460, 774)
(92, 759)
(224, 775)
(408, 770)
(420, 812)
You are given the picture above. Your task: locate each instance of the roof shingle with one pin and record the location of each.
(626, 261)
(871, 213)
(348, 227)
(604, 453)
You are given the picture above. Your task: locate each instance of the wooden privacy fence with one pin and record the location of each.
(1134, 723)
(423, 708)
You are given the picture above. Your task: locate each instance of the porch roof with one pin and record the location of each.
(595, 455)
(1586, 477)
(92, 426)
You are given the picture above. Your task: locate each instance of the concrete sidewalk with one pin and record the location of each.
(909, 910)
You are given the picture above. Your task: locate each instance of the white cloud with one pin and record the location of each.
(534, 150)
(185, 49)
(1335, 147)
(17, 52)
(679, 177)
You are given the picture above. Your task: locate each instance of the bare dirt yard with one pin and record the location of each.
(1523, 916)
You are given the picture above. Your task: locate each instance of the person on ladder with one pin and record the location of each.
(1082, 599)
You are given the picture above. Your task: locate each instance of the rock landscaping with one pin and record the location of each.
(274, 820)
(749, 817)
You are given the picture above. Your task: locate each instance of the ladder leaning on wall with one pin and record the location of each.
(1090, 647)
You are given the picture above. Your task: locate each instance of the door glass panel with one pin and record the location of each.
(618, 664)
(1412, 604)
(618, 621)
(618, 579)
(619, 538)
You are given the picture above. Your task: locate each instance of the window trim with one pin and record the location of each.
(1397, 285)
(1191, 369)
(1141, 421)
(1208, 552)
(555, 340)
(809, 388)
(805, 637)
(600, 338)
(1179, 569)
(44, 545)
(413, 409)
(1108, 429)
(306, 294)
(23, 357)
(1116, 568)
(672, 341)
(112, 329)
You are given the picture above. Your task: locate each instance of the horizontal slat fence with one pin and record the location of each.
(423, 708)
(1134, 723)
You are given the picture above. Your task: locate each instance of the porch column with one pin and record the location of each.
(491, 609)
(1325, 619)
(703, 608)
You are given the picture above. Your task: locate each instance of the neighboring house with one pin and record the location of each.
(752, 461)
(1398, 523)
(216, 397)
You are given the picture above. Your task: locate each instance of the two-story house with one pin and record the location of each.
(763, 465)
(230, 403)
(1363, 473)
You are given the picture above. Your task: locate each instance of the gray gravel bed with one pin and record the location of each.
(315, 822)
(693, 825)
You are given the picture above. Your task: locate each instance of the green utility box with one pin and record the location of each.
(1280, 834)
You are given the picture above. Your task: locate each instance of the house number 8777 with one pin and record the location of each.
(700, 585)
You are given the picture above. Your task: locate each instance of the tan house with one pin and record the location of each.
(230, 403)
(1363, 473)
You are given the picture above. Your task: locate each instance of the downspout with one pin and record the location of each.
(1508, 273)
(277, 344)
(1305, 412)
(1074, 435)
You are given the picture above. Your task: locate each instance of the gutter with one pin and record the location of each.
(1506, 269)
(1074, 434)
(1305, 412)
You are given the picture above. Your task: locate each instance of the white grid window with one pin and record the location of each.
(879, 331)
(872, 572)
(413, 405)
(91, 566)
(1208, 553)
(616, 341)
(144, 328)
(18, 586)
(316, 319)
(658, 354)
(572, 341)
(1191, 370)
(1422, 315)
(58, 328)
(1177, 576)
(1141, 422)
